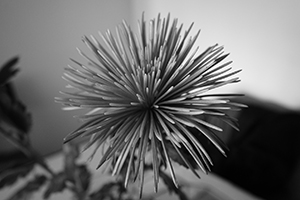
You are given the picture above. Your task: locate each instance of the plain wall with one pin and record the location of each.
(262, 37)
(45, 35)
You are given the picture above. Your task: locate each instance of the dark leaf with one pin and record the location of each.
(71, 153)
(13, 169)
(171, 187)
(25, 193)
(111, 191)
(81, 178)
(12, 111)
(79, 175)
(56, 184)
(177, 158)
(84, 177)
(7, 71)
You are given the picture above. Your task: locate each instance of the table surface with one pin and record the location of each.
(208, 187)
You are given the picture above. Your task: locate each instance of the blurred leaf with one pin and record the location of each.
(81, 178)
(84, 177)
(171, 187)
(56, 184)
(7, 71)
(77, 174)
(71, 153)
(12, 111)
(26, 192)
(110, 191)
(13, 169)
(174, 155)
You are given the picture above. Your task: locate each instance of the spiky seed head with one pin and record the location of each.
(149, 94)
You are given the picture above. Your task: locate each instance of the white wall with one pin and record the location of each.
(263, 38)
(45, 35)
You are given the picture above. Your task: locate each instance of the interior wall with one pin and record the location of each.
(262, 38)
(45, 35)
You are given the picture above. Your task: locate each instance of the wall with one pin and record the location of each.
(45, 35)
(262, 37)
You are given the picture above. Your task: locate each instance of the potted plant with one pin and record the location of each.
(147, 98)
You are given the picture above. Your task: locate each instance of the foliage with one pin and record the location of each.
(147, 94)
(75, 177)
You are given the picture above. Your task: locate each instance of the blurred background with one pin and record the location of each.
(262, 37)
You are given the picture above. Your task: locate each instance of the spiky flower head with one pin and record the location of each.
(148, 95)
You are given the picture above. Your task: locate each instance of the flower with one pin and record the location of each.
(149, 94)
